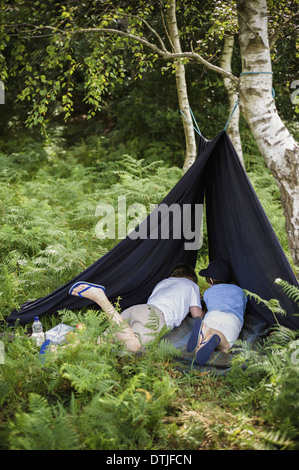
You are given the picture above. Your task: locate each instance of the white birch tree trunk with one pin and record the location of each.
(180, 76)
(277, 145)
(231, 89)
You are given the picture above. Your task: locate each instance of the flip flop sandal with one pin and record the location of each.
(206, 350)
(195, 334)
(89, 286)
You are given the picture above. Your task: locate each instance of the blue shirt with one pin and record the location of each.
(227, 298)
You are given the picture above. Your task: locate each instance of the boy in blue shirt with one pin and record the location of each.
(225, 304)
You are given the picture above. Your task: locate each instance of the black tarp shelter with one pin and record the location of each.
(238, 232)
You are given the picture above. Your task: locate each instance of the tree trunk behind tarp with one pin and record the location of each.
(233, 128)
(191, 149)
(278, 147)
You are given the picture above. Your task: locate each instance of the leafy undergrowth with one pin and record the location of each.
(93, 396)
(90, 396)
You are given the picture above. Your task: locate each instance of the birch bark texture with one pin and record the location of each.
(257, 104)
(232, 94)
(181, 85)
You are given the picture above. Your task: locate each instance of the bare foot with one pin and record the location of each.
(93, 293)
(223, 346)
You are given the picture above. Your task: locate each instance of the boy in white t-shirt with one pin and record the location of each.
(171, 301)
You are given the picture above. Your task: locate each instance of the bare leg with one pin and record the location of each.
(126, 334)
(223, 346)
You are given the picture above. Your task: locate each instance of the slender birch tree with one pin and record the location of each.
(180, 75)
(233, 96)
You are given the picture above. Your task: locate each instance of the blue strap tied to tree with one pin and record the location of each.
(198, 130)
(250, 73)
(235, 107)
(195, 128)
(238, 100)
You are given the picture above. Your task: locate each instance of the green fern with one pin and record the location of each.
(273, 304)
(167, 351)
(289, 289)
(43, 428)
(278, 440)
(153, 323)
(48, 196)
(92, 377)
(273, 371)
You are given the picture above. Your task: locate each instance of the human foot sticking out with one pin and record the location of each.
(96, 293)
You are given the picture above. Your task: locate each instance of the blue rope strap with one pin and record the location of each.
(235, 107)
(249, 73)
(245, 73)
(195, 128)
(194, 121)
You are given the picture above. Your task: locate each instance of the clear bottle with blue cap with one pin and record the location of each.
(38, 335)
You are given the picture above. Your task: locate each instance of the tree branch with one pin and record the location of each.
(155, 33)
(201, 60)
(143, 41)
(273, 38)
(248, 26)
(164, 24)
(164, 54)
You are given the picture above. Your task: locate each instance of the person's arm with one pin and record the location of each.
(197, 312)
(196, 304)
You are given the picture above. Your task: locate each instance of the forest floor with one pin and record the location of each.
(94, 397)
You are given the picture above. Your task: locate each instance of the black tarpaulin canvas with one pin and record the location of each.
(238, 232)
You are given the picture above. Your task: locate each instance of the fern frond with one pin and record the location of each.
(93, 376)
(278, 440)
(167, 350)
(273, 304)
(43, 428)
(154, 321)
(291, 290)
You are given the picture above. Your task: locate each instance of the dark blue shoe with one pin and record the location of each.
(195, 334)
(206, 350)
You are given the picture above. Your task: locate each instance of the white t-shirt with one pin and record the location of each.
(174, 296)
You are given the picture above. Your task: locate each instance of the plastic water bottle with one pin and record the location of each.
(38, 335)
